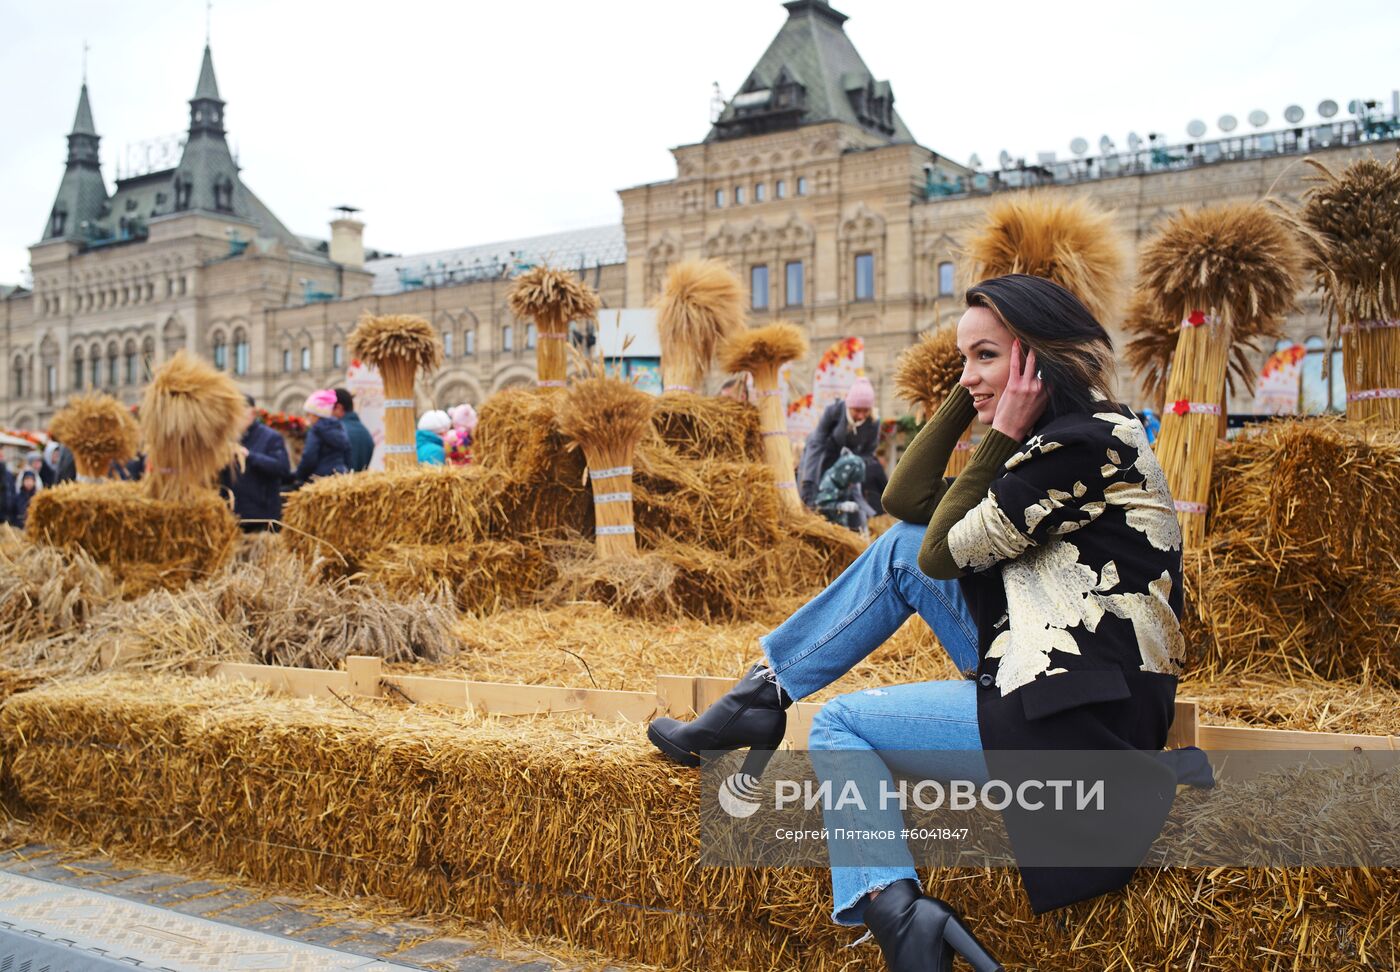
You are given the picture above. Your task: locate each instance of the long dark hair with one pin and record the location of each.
(1073, 352)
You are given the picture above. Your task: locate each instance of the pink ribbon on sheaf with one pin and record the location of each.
(1370, 394)
(1197, 318)
(1184, 407)
(1186, 506)
(551, 336)
(550, 384)
(679, 388)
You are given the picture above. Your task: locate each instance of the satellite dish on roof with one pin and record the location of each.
(975, 161)
(1354, 106)
(1106, 145)
(1293, 114)
(1327, 108)
(1227, 123)
(1195, 128)
(1134, 141)
(1259, 118)
(1079, 146)
(1005, 159)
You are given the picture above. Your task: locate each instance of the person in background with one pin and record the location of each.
(361, 442)
(7, 492)
(845, 424)
(256, 488)
(839, 498)
(457, 441)
(34, 462)
(29, 484)
(429, 440)
(1151, 424)
(327, 446)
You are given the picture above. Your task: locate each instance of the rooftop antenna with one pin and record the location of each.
(86, 47)
(346, 210)
(1005, 159)
(716, 103)
(1079, 146)
(1195, 128)
(975, 161)
(1134, 141)
(1293, 114)
(208, 20)
(1259, 118)
(1227, 123)
(1106, 145)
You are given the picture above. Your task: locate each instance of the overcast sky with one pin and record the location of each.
(451, 123)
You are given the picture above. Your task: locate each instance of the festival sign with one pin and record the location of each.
(364, 383)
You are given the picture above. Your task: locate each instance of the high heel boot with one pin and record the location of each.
(921, 934)
(753, 714)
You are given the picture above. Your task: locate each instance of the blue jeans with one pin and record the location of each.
(928, 730)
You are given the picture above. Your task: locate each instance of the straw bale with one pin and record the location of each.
(1238, 257)
(1251, 609)
(481, 578)
(396, 337)
(344, 519)
(99, 430)
(518, 433)
(1365, 705)
(45, 591)
(926, 372)
(1321, 490)
(700, 427)
(145, 542)
(1070, 241)
(192, 416)
(725, 506)
(577, 828)
(811, 553)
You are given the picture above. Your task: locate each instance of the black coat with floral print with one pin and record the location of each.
(1071, 565)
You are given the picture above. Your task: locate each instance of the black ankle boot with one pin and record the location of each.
(919, 934)
(752, 714)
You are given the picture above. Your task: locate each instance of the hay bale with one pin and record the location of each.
(145, 542)
(698, 427)
(45, 591)
(344, 519)
(481, 578)
(518, 434)
(522, 820)
(1322, 490)
(1364, 705)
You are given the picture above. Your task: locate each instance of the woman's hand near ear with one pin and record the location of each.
(1024, 398)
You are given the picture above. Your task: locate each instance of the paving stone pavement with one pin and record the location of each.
(411, 944)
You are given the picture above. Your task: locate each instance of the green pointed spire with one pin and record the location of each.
(82, 121)
(207, 88)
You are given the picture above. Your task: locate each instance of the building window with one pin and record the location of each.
(240, 353)
(95, 368)
(469, 343)
(305, 358)
(802, 185)
(945, 279)
(50, 382)
(286, 360)
(758, 287)
(78, 372)
(220, 353)
(1337, 380)
(112, 367)
(1323, 387)
(532, 336)
(446, 344)
(719, 198)
(795, 284)
(865, 276)
(507, 338)
(338, 355)
(129, 363)
(780, 189)
(738, 195)
(19, 378)
(760, 192)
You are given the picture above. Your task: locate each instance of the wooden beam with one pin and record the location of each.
(498, 698)
(311, 683)
(677, 695)
(364, 672)
(1240, 737)
(1185, 730)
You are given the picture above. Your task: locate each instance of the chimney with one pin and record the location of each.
(347, 242)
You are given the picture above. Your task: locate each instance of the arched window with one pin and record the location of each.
(469, 342)
(220, 351)
(1337, 382)
(1314, 398)
(305, 358)
(507, 338)
(129, 361)
(19, 377)
(240, 352)
(79, 375)
(286, 359)
(532, 336)
(148, 357)
(446, 344)
(945, 278)
(113, 366)
(338, 355)
(95, 367)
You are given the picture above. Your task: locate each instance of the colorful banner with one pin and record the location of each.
(364, 383)
(838, 368)
(1276, 390)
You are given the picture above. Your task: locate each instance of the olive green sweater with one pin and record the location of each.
(918, 493)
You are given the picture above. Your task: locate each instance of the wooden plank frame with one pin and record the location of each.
(682, 696)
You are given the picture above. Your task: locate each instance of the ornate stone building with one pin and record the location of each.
(808, 183)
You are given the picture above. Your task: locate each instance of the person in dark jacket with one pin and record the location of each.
(327, 449)
(256, 488)
(1050, 571)
(844, 425)
(28, 485)
(361, 442)
(7, 492)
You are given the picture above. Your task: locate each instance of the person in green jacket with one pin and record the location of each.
(361, 442)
